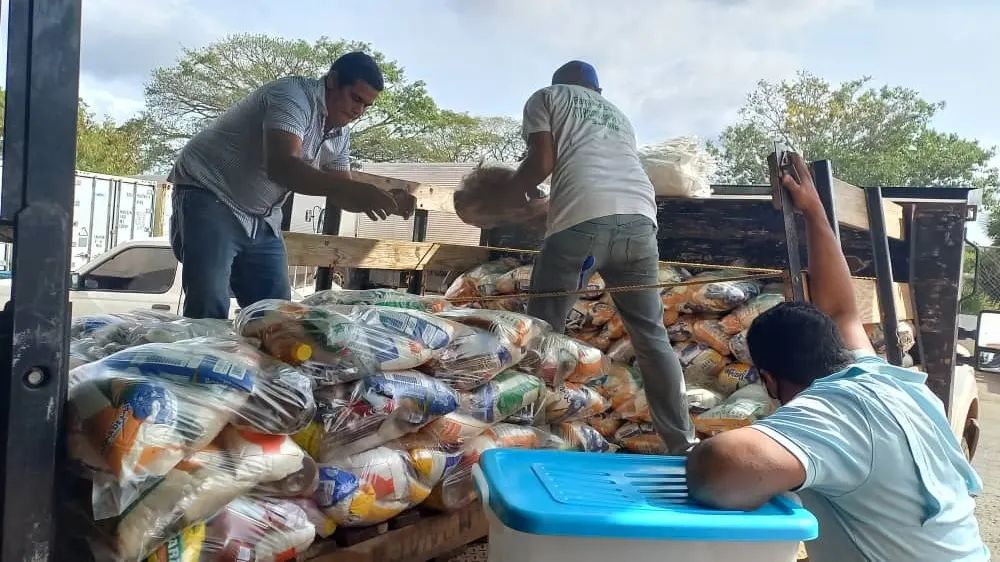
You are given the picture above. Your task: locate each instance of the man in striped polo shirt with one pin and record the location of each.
(231, 179)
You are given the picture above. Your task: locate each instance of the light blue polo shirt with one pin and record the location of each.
(885, 476)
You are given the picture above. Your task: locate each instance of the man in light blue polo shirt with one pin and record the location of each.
(866, 445)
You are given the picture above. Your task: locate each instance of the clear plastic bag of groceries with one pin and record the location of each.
(481, 281)
(254, 528)
(473, 358)
(741, 318)
(741, 408)
(330, 346)
(606, 424)
(516, 281)
(580, 436)
(682, 330)
(622, 387)
(434, 332)
(572, 402)
(457, 488)
(640, 438)
(700, 362)
(509, 393)
(679, 167)
(376, 485)
(719, 294)
(196, 489)
(558, 358)
(378, 297)
(300, 484)
(589, 316)
(740, 348)
(88, 325)
(137, 413)
(354, 417)
(521, 330)
(96, 336)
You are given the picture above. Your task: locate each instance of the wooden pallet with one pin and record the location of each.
(411, 537)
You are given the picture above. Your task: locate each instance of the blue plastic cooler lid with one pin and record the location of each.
(621, 496)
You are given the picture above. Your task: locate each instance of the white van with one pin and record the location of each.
(134, 275)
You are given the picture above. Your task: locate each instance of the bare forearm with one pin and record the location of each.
(830, 286)
(532, 172)
(300, 177)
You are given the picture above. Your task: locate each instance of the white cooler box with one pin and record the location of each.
(555, 506)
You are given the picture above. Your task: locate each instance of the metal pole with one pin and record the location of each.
(416, 282)
(883, 274)
(43, 68)
(822, 173)
(331, 225)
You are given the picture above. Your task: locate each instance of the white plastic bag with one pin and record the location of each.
(679, 167)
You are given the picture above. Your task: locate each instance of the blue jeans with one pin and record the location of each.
(625, 253)
(218, 255)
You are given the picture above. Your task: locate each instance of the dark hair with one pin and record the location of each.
(358, 66)
(797, 342)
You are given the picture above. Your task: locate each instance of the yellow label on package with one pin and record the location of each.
(185, 547)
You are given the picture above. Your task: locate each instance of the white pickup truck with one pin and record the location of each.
(133, 275)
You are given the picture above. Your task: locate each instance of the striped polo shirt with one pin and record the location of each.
(227, 157)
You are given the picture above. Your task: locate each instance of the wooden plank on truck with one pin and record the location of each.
(317, 250)
(426, 539)
(429, 197)
(866, 297)
(852, 210)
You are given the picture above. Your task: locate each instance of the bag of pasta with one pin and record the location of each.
(572, 402)
(580, 436)
(606, 424)
(712, 334)
(740, 348)
(741, 409)
(507, 394)
(623, 388)
(622, 351)
(515, 281)
(329, 346)
(741, 318)
(701, 363)
(355, 417)
(588, 316)
(640, 438)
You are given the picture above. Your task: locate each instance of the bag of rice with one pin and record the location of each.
(741, 318)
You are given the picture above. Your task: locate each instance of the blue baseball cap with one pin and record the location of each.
(577, 73)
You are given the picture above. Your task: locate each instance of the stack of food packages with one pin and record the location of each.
(204, 440)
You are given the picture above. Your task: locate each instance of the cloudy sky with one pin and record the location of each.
(675, 66)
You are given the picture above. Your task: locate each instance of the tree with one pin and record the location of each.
(404, 124)
(104, 146)
(873, 136)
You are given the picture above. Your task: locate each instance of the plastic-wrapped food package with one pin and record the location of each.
(735, 376)
(485, 200)
(595, 287)
(433, 332)
(741, 318)
(480, 281)
(137, 413)
(670, 316)
(740, 348)
(711, 333)
(703, 399)
(718, 295)
(515, 281)
(513, 304)
(683, 329)
(457, 489)
(534, 413)
(431, 460)
(589, 316)
(640, 438)
(679, 167)
(701, 363)
(622, 351)
(200, 486)
(376, 485)
(248, 529)
(507, 394)
(83, 326)
(571, 402)
(95, 337)
(623, 388)
(325, 525)
(377, 297)
(606, 424)
(327, 345)
(558, 358)
(359, 416)
(580, 436)
(300, 484)
(520, 330)
(743, 407)
(474, 357)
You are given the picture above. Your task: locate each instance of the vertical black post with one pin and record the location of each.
(822, 173)
(791, 238)
(331, 225)
(883, 274)
(286, 212)
(416, 281)
(43, 67)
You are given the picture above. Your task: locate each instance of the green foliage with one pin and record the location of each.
(873, 136)
(405, 124)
